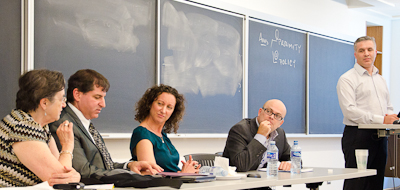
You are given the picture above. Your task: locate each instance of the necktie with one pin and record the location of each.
(101, 146)
(263, 161)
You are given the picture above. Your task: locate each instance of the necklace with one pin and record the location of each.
(162, 139)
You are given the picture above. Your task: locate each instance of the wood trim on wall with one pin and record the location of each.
(377, 33)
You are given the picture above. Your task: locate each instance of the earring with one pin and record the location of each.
(45, 113)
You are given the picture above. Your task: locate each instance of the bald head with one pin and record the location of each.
(272, 114)
(277, 104)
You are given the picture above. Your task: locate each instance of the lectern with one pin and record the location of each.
(393, 133)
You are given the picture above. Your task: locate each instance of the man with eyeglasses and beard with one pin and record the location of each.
(248, 140)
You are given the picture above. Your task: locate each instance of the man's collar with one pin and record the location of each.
(361, 70)
(258, 125)
(85, 122)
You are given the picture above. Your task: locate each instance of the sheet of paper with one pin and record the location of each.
(40, 186)
(222, 162)
(100, 186)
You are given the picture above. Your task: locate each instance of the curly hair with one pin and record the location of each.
(143, 106)
(36, 85)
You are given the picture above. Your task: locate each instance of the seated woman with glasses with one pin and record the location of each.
(248, 140)
(29, 154)
(159, 111)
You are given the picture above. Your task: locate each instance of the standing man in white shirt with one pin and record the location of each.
(364, 99)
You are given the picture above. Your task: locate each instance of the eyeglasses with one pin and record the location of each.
(64, 99)
(269, 112)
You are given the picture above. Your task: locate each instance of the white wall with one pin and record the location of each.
(320, 14)
(323, 16)
(395, 66)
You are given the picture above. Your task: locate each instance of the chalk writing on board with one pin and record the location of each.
(205, 54)
(105, 24)
(283, 43)
(264, 41)
(275, 59)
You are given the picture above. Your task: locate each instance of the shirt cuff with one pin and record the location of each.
(378, 119)
(126, 165)
(261, 138)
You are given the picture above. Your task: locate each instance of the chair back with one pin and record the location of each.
(218, 153)
(203, 159)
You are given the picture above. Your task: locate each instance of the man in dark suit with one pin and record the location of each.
(248, 140)
(86, 98)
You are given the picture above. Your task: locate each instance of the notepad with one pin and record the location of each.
(176, 174)
(100, 186)
(188, 177)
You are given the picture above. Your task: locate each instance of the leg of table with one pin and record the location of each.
(313, 186)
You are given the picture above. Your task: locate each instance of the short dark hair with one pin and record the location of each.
(364, 38)
(36, 85)
(85, 80)
(143, 106)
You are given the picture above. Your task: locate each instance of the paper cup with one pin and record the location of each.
(362, 158)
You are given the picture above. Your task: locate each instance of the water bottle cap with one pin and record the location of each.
(296, 143)
(272, 142)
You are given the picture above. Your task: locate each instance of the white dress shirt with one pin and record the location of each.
(85, 122)
(363, 98)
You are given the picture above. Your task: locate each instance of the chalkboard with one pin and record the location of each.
(201, 56)
(329, 59)
(277, 70)
(10, 54)
(115, 38)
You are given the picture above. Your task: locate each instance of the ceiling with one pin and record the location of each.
(389, 8)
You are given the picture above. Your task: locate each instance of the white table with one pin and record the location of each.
(284, 178)
(384, 130)
(321, 175)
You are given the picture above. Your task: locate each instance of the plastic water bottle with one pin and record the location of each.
(204, 170)
(295, 158)
(272, 158)
(214, 170)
